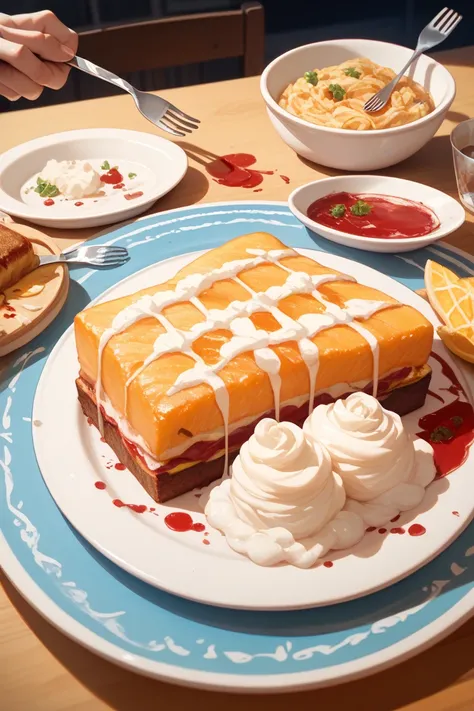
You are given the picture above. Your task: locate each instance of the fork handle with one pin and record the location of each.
(90, 68)
(51, 259)
(418, 51)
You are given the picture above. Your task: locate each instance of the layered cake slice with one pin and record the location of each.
(177, 376)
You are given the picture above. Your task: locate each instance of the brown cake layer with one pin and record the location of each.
(164, 486)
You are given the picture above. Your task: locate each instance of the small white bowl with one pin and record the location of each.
(450, 213)
(158, 163)
(348, 149)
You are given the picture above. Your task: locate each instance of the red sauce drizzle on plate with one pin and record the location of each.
(398, 529)
(112, 177)
(136, 508)
(100, 485)
(182, 522)
(119, 186)
(233, 170)
(121, 467)
(78, 204)
(416, 529)
(389, 217)
(328, 563)
(48, 202)
(133, 196)
(457, 419)
(285, 179)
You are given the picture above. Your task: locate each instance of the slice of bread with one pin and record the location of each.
(17, 257)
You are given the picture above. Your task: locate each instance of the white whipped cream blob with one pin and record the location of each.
(283, 502)
(73, 178)
(368, 445)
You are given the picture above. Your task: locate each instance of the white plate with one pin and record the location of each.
(145, 547)
(450, 213)
(159, 166)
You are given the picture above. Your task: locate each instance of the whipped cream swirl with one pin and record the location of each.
(383, 468)
(283, 501)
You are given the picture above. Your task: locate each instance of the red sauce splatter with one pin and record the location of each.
(455, 513)
(285, 179)
(182, 522)
(136, 508)
(399, 530)
(206, 534)
(416, 529)
(119, 186)
(48, 202)
(100, 485)
(435, 395)
(395, 518)
(9, 307)
(233, 171)
(451, 453)
(389, 218)
(132, 196)
(8, 315)
(370, 529)
(112, 177)
(78, 203)
(121, 467)
(328, 563)
(258, 190)
(382, 530)
(206, 541)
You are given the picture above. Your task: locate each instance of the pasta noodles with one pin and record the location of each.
(335, 97)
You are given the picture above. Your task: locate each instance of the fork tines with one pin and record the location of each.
(445, 21)
(177, 122)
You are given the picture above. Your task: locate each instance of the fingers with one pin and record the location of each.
(18, 84)
(8, 93)
(42, 73)
(43, 45)
(46, 22)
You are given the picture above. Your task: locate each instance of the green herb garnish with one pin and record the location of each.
(352, 72)
(105, 165)
(311, 78)
(132, 175)
(441, 434)
(45, 188)
(337, 92)
(338, 210)
(457, 421)
(361, 208)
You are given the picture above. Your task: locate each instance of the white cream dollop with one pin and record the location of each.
(283, 501)
(73, 178)
(384, 469)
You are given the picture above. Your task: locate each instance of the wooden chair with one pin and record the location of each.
(180, 40)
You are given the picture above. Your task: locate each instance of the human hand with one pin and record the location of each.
(33, 50)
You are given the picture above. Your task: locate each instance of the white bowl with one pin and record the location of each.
(348, 149)
(158, 163)
(450, 213)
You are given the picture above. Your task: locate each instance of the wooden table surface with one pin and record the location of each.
(42, 669)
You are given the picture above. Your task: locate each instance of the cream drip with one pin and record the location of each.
(245, 336)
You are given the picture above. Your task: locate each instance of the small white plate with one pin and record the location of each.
(156, 164)
(141, 543)
(450, 213)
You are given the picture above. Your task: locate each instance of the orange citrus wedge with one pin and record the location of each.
(453, 300)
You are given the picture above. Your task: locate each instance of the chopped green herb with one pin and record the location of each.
(441, 434)
(46, 189)
(361, 208)
(105, 165)
(338, 210)
(457, 421)
(337, 91)
(311, 78)
(132, 175)
(352, 72)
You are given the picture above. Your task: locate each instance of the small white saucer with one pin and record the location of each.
(155, 164)
(450, 213)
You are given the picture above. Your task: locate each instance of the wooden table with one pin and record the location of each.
(43, 670)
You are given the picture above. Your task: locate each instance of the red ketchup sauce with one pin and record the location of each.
(48, 202)
(389, 217)
(112, 177)
(182, 522)
(133, 196)
(233, 170)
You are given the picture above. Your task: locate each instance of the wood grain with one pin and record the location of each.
(41, 669)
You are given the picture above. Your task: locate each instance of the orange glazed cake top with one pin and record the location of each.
(241, 331)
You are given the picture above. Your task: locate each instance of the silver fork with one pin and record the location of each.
(101, 256)
(436, 32)
(160, 112)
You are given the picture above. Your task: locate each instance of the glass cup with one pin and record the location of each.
(462, 141)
